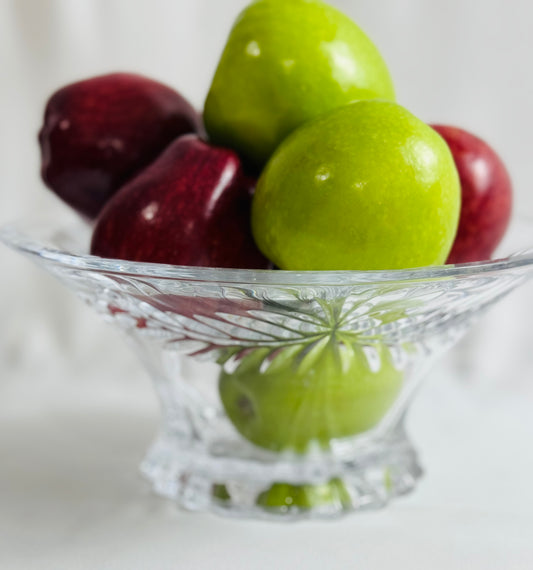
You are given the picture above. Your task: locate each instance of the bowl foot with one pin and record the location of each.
(283, 487)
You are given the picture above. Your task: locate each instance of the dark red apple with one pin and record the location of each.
(191, 206)
(99, 132)
(193, 307)
(486, 196)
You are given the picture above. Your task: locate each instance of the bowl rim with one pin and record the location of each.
(26, 237)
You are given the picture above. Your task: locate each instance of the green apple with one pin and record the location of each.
(367, 186)
(285, 62)
(307, 395)
(286, 496)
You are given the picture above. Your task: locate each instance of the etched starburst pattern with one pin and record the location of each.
(207, 319)
(207, 313)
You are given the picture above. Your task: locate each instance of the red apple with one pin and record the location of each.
(193, 307)
(191, 206)
(99, 132)
(486, 196)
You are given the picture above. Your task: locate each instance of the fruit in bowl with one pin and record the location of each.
(285, 496)
(486, 195)
(189, 207)
(365, 186)
(348, 180)
(305, 396)
(286, 62)
(99, 132)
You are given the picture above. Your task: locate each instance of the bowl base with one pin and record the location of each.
(317, 486)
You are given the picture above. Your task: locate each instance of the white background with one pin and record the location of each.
(77, 412)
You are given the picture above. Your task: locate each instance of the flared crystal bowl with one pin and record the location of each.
(283, 394)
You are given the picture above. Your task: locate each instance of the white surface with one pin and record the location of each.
(76, 412)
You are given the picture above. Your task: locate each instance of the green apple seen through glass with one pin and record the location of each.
(308, 395)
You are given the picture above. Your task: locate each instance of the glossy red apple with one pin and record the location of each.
(191, 206)
(99, 132)
(486, 196)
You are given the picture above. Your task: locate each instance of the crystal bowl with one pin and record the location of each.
(283, 394)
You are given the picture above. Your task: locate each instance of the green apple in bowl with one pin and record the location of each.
(367, 186)
(286, 62)
(285, 496)
(306, 395)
